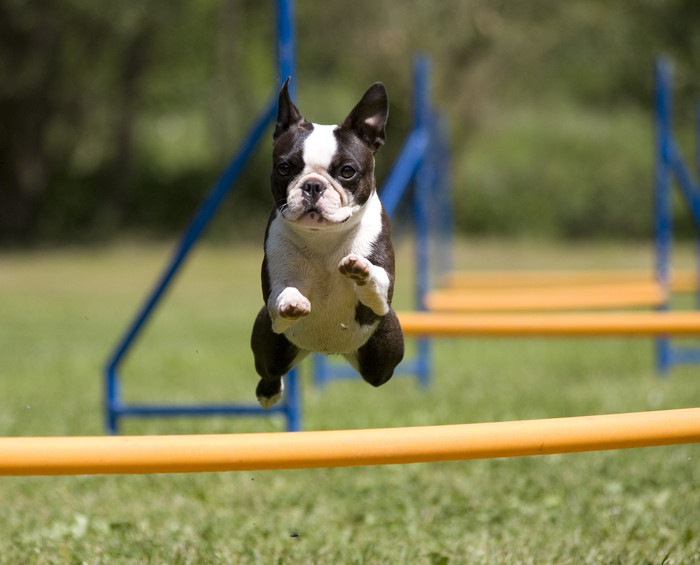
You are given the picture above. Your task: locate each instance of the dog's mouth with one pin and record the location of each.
(315, 218)
(315, 215)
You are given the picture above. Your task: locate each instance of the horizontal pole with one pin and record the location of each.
(341, 448)
(685, 355)
(579, 297)
(588, 324)
(685, 280)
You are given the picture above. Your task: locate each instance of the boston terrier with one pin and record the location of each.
(328, 270)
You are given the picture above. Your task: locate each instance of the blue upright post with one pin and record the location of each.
(424, 182)
(421, 118)
(663, 201)
(292, 400)
(443, 208)
(286, 44)
(697, 170)
(286, 67)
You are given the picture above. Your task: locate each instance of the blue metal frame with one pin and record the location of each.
(423, 165)
(669, 165)
(290, 407)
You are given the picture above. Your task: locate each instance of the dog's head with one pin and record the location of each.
(323, 175)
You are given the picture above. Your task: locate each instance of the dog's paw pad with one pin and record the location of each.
(269, 393)
(293, 306)
(355, 267)
(295, 310)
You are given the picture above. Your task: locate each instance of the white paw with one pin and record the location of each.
(355, 267)
(292, 304)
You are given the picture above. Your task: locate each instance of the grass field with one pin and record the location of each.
(62, 310)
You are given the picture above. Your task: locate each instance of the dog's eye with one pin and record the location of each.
(283, 169)
(347, 172)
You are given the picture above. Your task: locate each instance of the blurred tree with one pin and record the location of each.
(29, 38)
(71, 75)
(119, 114)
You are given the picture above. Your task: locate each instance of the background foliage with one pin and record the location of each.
(119, 115)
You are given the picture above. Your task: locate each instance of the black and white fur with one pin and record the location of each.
(328, 271)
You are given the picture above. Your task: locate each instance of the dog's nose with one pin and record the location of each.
(314, 188)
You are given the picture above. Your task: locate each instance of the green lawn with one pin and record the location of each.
(62, 310)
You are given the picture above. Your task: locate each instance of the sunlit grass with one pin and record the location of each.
(61, 312)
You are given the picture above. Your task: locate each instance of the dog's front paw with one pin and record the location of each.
(292, 304)
(355, 267)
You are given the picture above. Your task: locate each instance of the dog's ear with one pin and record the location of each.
(368, 118)
(288, 115)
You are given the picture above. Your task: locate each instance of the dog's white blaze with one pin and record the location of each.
(320, 147)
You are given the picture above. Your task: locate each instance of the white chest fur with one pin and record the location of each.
(308, 261)
(331, 326)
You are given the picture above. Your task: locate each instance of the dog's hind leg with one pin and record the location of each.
(377, 359)
(274, 356)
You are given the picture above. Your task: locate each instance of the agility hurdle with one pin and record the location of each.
(583, 324)
(344, 448)
(515, 292)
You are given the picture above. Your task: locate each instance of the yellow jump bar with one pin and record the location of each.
(237, 452)
(551, 324)
(617, 295)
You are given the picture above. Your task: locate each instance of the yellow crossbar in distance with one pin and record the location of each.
(340, 448)
(617, 295)
(593, 324)
(682, 280)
